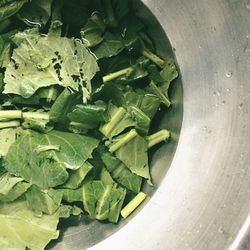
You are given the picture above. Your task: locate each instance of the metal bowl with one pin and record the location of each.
(202, 201)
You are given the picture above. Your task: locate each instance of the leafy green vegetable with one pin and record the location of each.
(134, 156)
(67, 63)
(36, 12)
(90, 116)
(10, 7)
(20, 228)
(103, 201)
(73, 151)
(77, 176)
(111, 46)
(80, 83)
(92, 32)
(120, 172)
(43, 201)
(7, 138)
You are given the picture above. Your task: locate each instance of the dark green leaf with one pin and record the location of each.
(10, 7)
(90, 116)
(111, 46)
(92, 32)
(36, 12)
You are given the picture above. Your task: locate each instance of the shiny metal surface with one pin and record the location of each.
(203, 202)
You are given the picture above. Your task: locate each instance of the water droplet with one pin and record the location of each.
(241, 105)
(204, 127)
(174, 49)
(248, 5)
(229, 74)
(200, 46)
(223, 103)
(228, 90)
(220, 230)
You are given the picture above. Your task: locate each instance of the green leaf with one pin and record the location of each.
(119, 171)
(134, 156)
(147, 102)
(110, 46)
(62, 105)
(103, 201)
(44, 61)
(10, 7)
(71, 195)
(120, 120)
(7, 138)
(43, 201)
(90, 116)
(7, 182)
(77, 176)
(92, 32)
(36, 12)
(20, 228)
(48, 168)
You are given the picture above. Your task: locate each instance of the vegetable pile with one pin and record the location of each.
(79, 86)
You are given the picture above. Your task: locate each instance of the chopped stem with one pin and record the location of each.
(52, 94)
(127, 138)
(107, 128)
(10, 114)
(35, 115)
(158, 137)
(18, 114)
(117, 74)
(10, 124)
(43, 148)
(160, 94)
(154, 58)
(132, 205)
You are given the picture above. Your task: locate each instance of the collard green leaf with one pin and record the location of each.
(43, 201)
(18, 190)
(77, 176)
(90, 116)
(48, 168)
(62, 105)
(21, 229)
(46, 61)
(110, 46)
(71, 195)
(120, 119)
(134, 156)
(92, 32)
(36, 12)
(10, 7)
(103, 201)
(143, 99)
(7, 138)
(7, 182)
(119, 171)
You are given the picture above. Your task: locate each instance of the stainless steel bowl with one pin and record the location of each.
(203, 201)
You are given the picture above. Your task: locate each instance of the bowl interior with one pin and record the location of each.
(84, 233)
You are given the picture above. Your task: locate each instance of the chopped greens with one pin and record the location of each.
(80, 84)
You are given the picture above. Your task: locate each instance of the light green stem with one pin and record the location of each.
(160, 94)
(132, 205)
(35, 115)
(117, 74)
(10, 114)
(10, 124)
(158, 137)
(107, 128)
(154, 58)
(127, 138)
